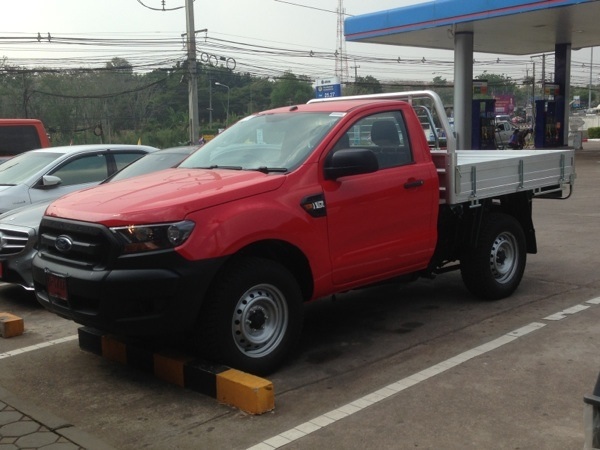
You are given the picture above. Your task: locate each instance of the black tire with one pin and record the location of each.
(494, 268)
(252, 318)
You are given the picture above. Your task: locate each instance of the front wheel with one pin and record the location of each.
(252, 317)
(494, 268)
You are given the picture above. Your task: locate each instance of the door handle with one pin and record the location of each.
(414, 184)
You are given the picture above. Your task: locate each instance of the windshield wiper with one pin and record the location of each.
(214, 166)
(265, 169)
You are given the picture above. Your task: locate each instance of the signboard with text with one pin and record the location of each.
(505, 104)
(329, 87)
(551, 90)
(480, 87)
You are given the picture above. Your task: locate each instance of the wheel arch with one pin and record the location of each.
(286, 254)
(459, 227)
(518, 205)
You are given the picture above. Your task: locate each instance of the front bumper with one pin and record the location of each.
(144, 301)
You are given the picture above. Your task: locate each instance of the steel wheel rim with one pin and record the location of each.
(259, 320)
(504, 257)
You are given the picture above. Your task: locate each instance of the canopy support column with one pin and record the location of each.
(562, 75)
(463, 88)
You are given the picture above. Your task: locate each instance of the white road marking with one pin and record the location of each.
(31, 348)
(562, 314)
(358, 405)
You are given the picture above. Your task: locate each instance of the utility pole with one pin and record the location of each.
(341, 62)
(591, 71)
(194, 123)
(544, 76)
(355, 67)
(210, 108)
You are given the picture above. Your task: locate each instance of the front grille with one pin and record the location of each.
(92, 244)
(12, 241)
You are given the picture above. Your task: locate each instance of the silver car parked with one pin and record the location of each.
(19, 227)
(47, 174)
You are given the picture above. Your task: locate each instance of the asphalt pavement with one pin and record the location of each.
(24, 425)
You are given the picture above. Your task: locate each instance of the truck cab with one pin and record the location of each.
(20, 135)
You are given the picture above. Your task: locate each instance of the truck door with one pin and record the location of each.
(383, 223)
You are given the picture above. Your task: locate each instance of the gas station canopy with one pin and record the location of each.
(514, 27)
(511, 27)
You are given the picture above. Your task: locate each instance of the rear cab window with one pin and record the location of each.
(18, 136)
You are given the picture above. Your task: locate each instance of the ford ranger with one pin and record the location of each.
(287, 206)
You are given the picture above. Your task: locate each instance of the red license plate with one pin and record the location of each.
(57, 287)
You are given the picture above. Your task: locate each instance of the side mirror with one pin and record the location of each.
(49, 181)
(350, 161)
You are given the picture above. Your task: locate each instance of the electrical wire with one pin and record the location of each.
(258, 58)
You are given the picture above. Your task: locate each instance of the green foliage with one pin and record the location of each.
(291, 90)
(594, 132)
(444, 89)
(362, 86)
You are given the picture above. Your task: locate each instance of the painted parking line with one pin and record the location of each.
(566, 312)
(31, 348)
(368, 400)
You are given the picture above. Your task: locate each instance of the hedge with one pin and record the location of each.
(594, 132)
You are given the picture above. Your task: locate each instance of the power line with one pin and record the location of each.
(264, 59)
(163, 2)
(311, 7)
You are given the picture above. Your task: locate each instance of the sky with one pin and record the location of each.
(261, 37)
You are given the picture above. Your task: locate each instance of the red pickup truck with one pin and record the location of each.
(19, 135)
(287, 206)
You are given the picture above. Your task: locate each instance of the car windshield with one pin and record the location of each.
(267, 142)
(18, 169)
(152, 162)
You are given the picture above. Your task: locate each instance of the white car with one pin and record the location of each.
(46, 174)
(504, 131)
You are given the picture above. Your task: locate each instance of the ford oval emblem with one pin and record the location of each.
(63, 243)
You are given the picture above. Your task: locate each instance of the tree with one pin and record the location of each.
(291, 90)
(444, 89)
(120, 64)
(498, 84)
(363, 85)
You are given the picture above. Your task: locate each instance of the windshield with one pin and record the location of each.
(20, 168)
(278, 142)
(152, 162)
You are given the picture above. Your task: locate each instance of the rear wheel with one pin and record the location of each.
(252, 317)
(493, 269)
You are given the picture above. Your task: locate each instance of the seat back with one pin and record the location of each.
(385, 134)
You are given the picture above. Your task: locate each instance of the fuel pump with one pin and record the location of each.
(483, 134)
(548, 130)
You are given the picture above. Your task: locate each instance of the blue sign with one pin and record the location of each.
(329, 90)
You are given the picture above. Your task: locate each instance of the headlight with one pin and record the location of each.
(145, 238)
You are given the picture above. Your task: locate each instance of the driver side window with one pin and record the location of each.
(384, 134)
(86, 169)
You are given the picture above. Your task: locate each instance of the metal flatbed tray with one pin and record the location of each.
(480, 174)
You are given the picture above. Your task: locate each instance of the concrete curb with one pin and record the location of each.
(244, 391)
(10, 325)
